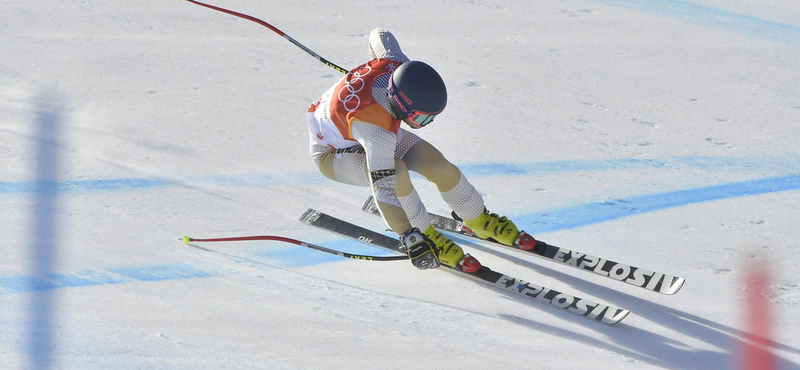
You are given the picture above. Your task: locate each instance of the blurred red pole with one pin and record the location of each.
(756, 354)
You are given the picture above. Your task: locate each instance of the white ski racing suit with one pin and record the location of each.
(356, 140)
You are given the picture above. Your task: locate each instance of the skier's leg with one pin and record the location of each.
(344, 165)
(450, 253)
(411, 214)
(454, 188)
(349, 166)
(459, 194)
(391, 207)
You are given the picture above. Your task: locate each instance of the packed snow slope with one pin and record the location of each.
(659, 133)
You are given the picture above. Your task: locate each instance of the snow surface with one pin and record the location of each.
(658, 133)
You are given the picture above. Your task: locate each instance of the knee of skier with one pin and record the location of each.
(437, 169)
(428, 161)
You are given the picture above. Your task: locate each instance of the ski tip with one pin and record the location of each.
(621, 316)
(676, 285)
(185, 239)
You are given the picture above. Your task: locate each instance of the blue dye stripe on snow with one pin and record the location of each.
(138, 184)
(724, 20)
(36, 187)
(558, 219)
(300, 257)
(287, 256)
(787, 163)
(593, 213)
(554, 167)
(121, 275)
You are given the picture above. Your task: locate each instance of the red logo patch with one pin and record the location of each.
(408, 101)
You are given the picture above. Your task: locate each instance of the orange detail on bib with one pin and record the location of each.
(351, 99)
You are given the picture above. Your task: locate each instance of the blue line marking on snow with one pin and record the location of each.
(287, 179)
(553, 167)
(139, 184)
(80, 186)
(119, 275)
(593, 213)
(780, 163)
(161, 272)
(787, 163)
(785, 168)
(293, 256)
(716, 18)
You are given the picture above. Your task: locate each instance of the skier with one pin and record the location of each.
(356, 139)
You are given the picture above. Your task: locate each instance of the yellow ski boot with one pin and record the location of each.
(450, 253)
(490, 226)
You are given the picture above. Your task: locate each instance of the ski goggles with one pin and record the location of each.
(421, 119)
(415, 118)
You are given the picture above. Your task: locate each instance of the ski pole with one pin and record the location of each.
(187, 240)
(274, 29)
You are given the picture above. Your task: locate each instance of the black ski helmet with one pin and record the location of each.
(417, 92)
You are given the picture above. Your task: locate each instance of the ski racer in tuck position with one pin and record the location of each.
(356, 139)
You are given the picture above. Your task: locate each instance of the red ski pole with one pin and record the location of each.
(187, 240)
(274, 29)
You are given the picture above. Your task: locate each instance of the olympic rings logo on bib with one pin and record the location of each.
(352, 101)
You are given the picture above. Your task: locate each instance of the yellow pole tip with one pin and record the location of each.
(186, 239)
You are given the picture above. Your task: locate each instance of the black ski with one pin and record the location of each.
(639, 277)
(596, 311)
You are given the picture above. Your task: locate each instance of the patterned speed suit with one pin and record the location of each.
(356, 140)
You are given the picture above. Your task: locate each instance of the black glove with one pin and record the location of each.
(421, 249)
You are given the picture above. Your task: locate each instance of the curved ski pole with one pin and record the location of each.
(187, 240)
(274, 29)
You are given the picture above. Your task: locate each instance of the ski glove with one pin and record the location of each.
(421, 249)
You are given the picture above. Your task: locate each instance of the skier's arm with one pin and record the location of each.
(382, 44)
